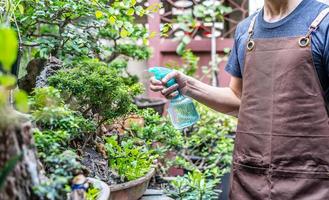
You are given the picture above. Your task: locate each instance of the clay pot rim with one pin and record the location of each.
(133, 183)
(105, 190)
(154, 101)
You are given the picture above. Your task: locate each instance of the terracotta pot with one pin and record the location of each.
(131, 190)
(104, 188)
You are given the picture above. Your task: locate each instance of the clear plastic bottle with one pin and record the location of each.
(181, 109)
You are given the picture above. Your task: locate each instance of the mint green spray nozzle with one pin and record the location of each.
(160, 72)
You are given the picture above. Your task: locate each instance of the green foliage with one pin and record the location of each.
(50, 142)
(158, 129)
(209, 140)
(51, 115)
(97, 88)
(119, 64)
(74, 28)
(92, 193)
(62, 118)
(193, 186)
(134, 51)
(189, 23)
(210, 11)
(58, 126)
(45, 97)
(130, 161)
(7, 168)
(211, 147)
(57, 187)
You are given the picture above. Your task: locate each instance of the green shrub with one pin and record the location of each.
(58, 125)
(51, 114)
(45, 97)
(97, 88)
(130, 161)
(193, 186)
(60, 169)
(158, 129)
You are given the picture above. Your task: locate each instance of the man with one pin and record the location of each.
(279, 66)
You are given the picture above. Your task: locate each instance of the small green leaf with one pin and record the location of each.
(145, 41)
(140, 11)
(130, 11)
(8, 81)
(112, 20)
(124, 33)
(8, 47)
(133, 2)
(186, 40)
(227, 50)
(21, 8)
(98, 14)
(21, 101)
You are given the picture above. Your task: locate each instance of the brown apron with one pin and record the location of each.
(282, 142)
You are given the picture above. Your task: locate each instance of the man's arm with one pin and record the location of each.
(221, 99)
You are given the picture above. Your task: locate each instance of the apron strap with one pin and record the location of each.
(251, 27)
(315, 24)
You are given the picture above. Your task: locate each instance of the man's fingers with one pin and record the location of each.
(154, 81)
(169, 76)
(156, 88)
(167, 91)
(173, 95)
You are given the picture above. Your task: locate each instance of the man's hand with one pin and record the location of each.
(172, 91)
(223, 99)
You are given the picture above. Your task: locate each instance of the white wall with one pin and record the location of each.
(254, 5)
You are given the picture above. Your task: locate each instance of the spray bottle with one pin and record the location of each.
(181, 109)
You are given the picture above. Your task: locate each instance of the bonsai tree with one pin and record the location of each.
(96, 90)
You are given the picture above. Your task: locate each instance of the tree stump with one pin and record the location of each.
(16, 139)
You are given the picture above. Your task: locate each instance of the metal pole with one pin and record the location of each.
(214, 67)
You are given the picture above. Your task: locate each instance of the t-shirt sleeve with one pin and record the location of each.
(233, 66)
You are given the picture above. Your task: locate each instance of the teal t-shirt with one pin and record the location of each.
(295, 24)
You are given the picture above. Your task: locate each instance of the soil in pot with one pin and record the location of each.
(97, 166)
